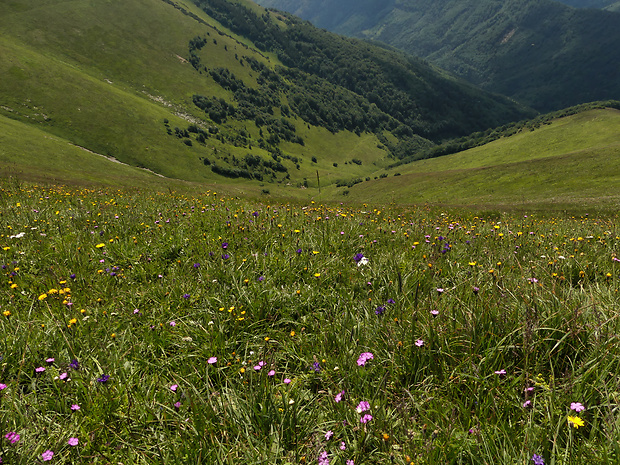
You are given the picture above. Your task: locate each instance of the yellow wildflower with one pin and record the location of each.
(575, 422)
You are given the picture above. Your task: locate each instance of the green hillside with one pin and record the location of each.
(540, 52)
(163, 85)
(572, 162)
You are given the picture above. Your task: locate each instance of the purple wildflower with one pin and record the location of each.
(364, 357)
(362, 407)
(74, 364)
(316, 367)
(538, 460)
(577, 406)
(13, 437)
(358, 257)
(224, 245)
(380, 309)
(103, 379)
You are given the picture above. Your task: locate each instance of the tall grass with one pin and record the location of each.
(216, 330)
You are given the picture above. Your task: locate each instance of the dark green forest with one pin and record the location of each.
(539, 52)
(341, 83)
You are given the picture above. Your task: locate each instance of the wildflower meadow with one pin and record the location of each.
(145, 328)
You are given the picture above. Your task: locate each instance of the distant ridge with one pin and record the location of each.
(539, 52)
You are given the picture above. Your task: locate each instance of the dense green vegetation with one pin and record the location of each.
(140, 327)
(413, 98)
(542, 53)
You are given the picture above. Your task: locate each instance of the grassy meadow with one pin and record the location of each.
(143, 327)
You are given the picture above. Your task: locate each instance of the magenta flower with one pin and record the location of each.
(338, 397)
(40, 369)
(212, 360)
(2, 387)
(174, 387)
(287, 381)
(364, 357)
(419, 343)
(500, 372)
(527, 403)
(271, 373)
(47, 455)
(73, 441)
(329, 435)
(362, 407)
(13, 437)
(173, 323)
(366, 418)
(75, 407)
(260, 365)
(577, 406)
(342, 446)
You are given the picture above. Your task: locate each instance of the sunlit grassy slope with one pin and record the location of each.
(573, 161)
(97, 75)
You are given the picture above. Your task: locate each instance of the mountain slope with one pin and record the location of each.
(568, 162)
(163, 85)
(540, 52)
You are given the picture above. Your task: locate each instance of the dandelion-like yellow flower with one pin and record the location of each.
(99, 246)
(43, 297)
(575, 422)
(6, 313)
